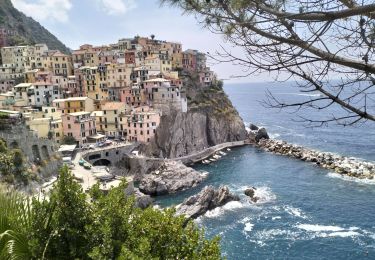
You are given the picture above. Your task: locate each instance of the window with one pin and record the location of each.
(105, 112)
(141, 132)
(115, 112)
(69, 126)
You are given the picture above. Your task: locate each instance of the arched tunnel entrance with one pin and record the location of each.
(102, 162)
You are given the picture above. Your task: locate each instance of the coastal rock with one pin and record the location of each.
(250, 192)
(142, 200)
(253, 127)
(256, 134)
(208, 199)
(170, 177)
(261, 134)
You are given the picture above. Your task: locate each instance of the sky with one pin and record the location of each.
(98, 22)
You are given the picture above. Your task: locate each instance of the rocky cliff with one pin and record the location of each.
(211, 119)
(26, 30)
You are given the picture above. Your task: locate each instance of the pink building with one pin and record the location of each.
(126, 96)
(79, 125)
(141, 124)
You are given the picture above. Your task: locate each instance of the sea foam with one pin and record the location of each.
(348, 178)
(220, 210)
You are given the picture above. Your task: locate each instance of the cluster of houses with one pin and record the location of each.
(119, 90)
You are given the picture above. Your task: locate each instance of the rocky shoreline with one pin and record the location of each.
(170, 177)
(349, 166)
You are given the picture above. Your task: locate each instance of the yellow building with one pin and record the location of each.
(58, 63)
(41, 126)
(51, 112)
(74, 104)
(112, 116)
(94, 82)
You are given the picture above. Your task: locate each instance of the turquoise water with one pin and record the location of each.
(305, 212)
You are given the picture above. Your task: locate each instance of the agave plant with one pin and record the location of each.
(15, 223)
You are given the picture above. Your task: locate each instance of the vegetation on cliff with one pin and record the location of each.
(25, 29)
(13, 168)
(69, 226)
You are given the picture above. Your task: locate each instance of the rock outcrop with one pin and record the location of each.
(343, 165)
(256, 134)
(208, 199)
(170, 177)
(141, 200)
(250, 192)
(211, 119)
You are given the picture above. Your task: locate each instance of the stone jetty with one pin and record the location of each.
(340, 164)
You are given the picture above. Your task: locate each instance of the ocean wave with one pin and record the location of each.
(274, 136)
(220, 210)
(248, 227)
(329, 231)
(344, 234)
(296, 212)
(264, 194)
(349, 178)
(319, 228)
(300, 94)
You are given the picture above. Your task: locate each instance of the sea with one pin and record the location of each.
(304, 212)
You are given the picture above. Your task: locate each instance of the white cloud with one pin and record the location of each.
(42, 10)
(116, 7)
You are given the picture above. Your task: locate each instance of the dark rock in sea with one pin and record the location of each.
(170, 177)
(250, 192)
(261, 134)
(208, 199)
(253, 127)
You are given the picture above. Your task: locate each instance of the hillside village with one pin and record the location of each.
(117, 91)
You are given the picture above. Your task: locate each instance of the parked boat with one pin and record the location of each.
(216, 156)
(228, 149)
(205, 161)
(222, 153)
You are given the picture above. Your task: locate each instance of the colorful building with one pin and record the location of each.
(79, 125)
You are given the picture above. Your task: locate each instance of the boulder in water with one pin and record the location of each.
(250, 192)
(261, 134)
(253, 127)
(208, 199)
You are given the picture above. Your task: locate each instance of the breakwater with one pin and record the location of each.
(350, 166)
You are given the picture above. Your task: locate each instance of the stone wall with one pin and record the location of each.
(36, 150)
